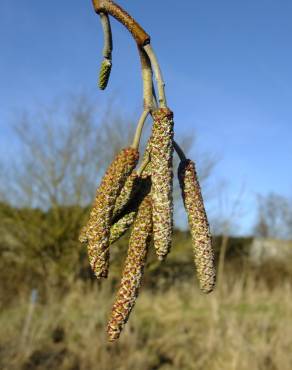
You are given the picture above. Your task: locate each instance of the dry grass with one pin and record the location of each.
(247, 327)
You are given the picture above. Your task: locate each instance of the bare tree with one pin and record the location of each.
(63, 151)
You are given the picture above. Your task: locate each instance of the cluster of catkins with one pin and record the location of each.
(143, 200)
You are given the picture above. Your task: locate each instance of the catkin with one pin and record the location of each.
(128, 205)
(133, 270)
(104, 73)
(199, 226)
(98, 228)
(161, 145)
(121, 226)
(128, 191)
(127, 217)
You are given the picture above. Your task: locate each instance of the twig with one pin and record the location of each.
(108, 6)
(141, 37)
(179, 151)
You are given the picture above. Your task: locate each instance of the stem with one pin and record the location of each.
(179, 151)
(139, 128)
(158, 75)
(107, 34)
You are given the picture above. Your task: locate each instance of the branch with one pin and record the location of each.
(108, 6)
(141, 37)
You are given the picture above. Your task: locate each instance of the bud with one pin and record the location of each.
(104, 73)
(98, 227)
(161, 145)
(133, 270)
(199, 226)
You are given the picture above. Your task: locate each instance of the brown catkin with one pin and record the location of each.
(133, 270)
(161, 145)
(199, 226)
(98, 227)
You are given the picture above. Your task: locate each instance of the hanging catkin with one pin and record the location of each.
(161, 145)
(133, 270)
(98, 228)
(199, 226)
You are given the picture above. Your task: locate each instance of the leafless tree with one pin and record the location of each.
(64, 149)
(274, 217)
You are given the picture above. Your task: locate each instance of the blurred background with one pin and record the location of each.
(227, 67)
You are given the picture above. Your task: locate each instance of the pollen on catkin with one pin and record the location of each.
(104, 73)
(133, 270)
(161, 145)
(98, 227)
(199, 226)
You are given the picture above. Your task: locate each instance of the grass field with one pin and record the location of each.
(244, 325)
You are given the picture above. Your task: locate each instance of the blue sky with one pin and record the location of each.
(227, 67)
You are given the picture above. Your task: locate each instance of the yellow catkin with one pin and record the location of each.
(98, 227)
(133, 270)
(161, 145)
(199, 226)
(104, 73)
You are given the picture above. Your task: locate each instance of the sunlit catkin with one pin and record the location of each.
(199, 226)
(161, 146)
(133, 270)
(98, 228)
